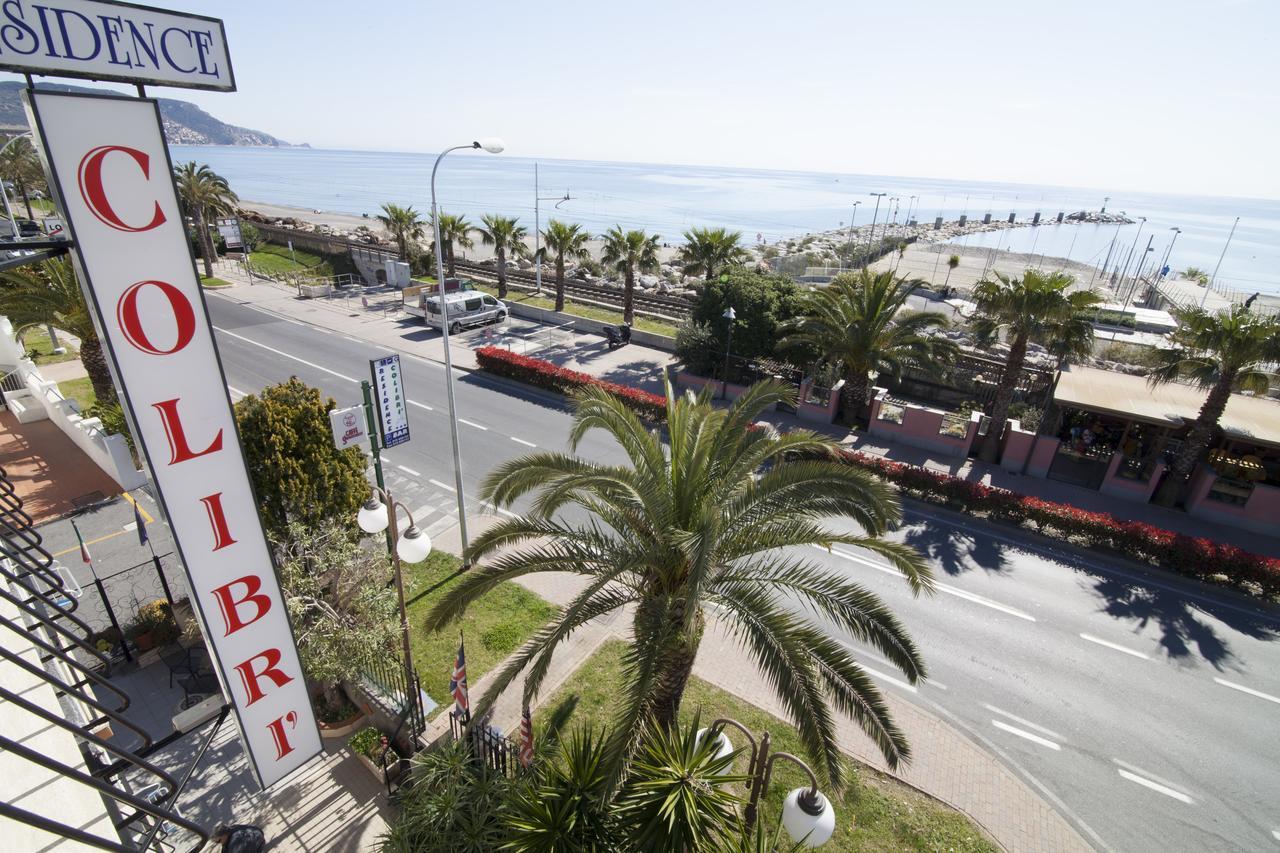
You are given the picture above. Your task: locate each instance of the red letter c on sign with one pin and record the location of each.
(131, 323)
(95, 195)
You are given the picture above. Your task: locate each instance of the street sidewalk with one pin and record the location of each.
(947, 765)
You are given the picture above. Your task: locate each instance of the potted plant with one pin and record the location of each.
(336, 715)
(371, 746)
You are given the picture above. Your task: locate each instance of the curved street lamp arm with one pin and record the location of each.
(813, 794)
(715, 727)
(393, 503)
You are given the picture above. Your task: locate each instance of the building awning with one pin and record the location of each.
(1254, 419)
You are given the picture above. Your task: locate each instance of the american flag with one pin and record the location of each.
(526, 738)
(458, 683)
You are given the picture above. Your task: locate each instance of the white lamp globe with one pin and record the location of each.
(414, 545)
(812, 830)
(725, 746)
(492, 144)
(373, 516)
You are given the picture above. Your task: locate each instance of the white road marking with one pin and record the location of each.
(1275, 833)
(1014, 730)
(861, 653)
(522, 441)
(1248, 690)
(441, 485)
(1115, 646)
(1155, 786)
(499, 509)
(287, 355)
(421, 405)
(409, 471)
(133, 525)
(1049, 732)
(472, 424)
(236, 392)
(940, 587)
(897, 682)
(354, 340)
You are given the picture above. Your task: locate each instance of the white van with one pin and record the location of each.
(464, 308)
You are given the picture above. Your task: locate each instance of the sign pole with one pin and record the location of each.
(367, 389)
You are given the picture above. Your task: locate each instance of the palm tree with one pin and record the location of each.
(1196, 274)
(405, 226)
(1035, 308)
(1221, 353)
(48, 294)
(629, 252)
(454, 230)
(504, 235)
(205, 194)
(708, 250)
(856, 326)
(564, 240)
(21, 164)
(697, 524)
(952, 263)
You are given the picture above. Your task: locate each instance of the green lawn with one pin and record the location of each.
(875, 812)
(37, 340)
(494, 626)
(277, 260)
(80, 390)
(580, 309)
(214, 282)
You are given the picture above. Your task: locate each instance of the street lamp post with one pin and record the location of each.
(874, 216)
(807, 815)
(8, 211)
(412, 547)
(1218, 265)
(852, 216)
(1168, 252)
(1129, 257)
(730, 315)
(493, 146)
(537, 228)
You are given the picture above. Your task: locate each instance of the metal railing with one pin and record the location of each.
(487, 744)
(387, 677)
(525, 342)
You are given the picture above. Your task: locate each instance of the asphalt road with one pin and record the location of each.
(1145, 708)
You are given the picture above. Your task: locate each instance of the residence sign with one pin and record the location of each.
(104, 40)
(110, 171)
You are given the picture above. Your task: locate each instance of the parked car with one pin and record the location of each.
(465, 308)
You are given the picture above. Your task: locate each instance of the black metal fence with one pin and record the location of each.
(487, 744)
(405, 699)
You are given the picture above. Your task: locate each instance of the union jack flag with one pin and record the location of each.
(458, 683)
(526, 738)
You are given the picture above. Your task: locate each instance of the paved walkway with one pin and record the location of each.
(48, 471)
(947, 764)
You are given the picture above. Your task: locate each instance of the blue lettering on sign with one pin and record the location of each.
(61, 32)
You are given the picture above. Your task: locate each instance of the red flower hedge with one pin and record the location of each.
(1203, 559)
(544, 374)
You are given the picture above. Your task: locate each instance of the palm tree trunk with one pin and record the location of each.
(559, 282)
(857, 391)
(206, 245)
(95, 364)
(629, 297)
(502, 273)
(947, 280)
(22, 189)
(670, 689)
(1004, 396)
(1197, 441)
(448, 254)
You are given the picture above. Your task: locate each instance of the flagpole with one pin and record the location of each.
(102, 593)
(143, 536)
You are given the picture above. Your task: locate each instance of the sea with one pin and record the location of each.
(764, 205)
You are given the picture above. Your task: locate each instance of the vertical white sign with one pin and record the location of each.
(393, 415)
(111, 173)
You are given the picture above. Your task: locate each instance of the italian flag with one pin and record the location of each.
(84, 549)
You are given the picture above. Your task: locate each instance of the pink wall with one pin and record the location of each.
(1042, 455)
(1017, 447)
(920, 428)
(1133, 490)
(815, 413)
(1259, 514)
(690, 380)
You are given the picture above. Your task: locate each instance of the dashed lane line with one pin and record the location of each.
(421, 405)
(1026, 735)
(440, 485)
(1248, 690)
(236, 392)
(522, 441)
(409, 471)
(286, 355)
(1155, 786)
(1116, 646)
(940, 587)
(473, 424)
(1024, 722)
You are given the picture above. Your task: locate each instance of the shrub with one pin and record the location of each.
(544, 374)
(156, 618)
(367, 742)
(501, 638)
(1194, 557)
(696, 347)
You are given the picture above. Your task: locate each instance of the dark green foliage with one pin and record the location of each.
(298, 474)
(696, 347)
(760, 301)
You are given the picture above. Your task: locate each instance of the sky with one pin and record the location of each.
(1156, 95)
